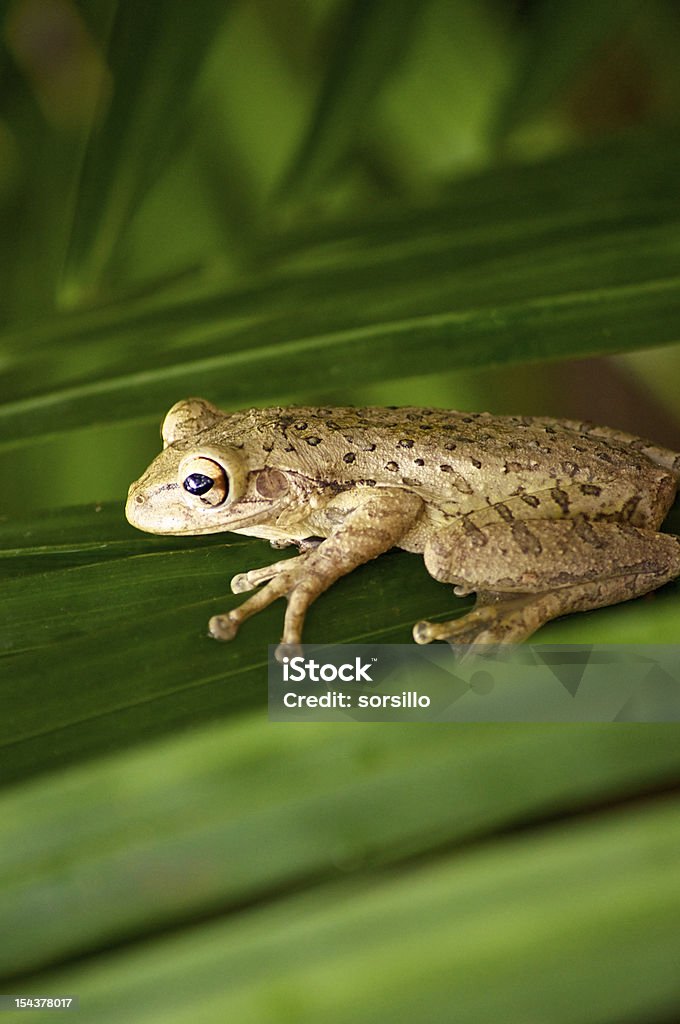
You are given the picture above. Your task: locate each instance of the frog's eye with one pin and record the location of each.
(198, 483)
(205, 480)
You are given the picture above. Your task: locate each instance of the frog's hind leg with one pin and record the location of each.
(527, 577)
(512, 619)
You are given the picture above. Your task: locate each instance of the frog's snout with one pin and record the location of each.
(149, 508)
(134, 508)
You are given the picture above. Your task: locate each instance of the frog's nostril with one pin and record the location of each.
(139, 499)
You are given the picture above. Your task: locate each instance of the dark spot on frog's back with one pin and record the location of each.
(476, 536)
(349, 457)
(591, 489)
(585, 532)
(313, 440)
(457, 479)
(531, 500)
(526, 541)
(391, 466)
(406, 442)
(561, 499)
(628, 510)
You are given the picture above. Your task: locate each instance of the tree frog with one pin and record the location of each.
(538, 516)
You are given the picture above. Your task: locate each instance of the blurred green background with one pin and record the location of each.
(464, 204)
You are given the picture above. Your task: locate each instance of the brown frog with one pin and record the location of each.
(538, 516)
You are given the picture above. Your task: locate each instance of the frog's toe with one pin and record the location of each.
(240, 583)
(223, 627)
(288, 650)
(424, 632)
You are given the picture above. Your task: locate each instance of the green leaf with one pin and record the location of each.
(562, 40)
(367, 48)
(470, 282)
(104, 643)
(155, 52)
(527, 929)
(335, 797)
(135, 626)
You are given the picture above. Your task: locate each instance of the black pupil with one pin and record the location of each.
(198, 483)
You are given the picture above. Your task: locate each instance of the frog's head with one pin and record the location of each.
(200, 482)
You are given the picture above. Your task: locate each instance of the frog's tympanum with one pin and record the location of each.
(538, 516)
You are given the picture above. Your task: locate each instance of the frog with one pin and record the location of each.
(539, 517)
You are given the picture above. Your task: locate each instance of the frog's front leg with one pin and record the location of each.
(377, 523)
(530, 573)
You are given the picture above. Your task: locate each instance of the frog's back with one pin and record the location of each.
(462, 458)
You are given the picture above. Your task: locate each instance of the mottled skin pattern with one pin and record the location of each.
(539, 517)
